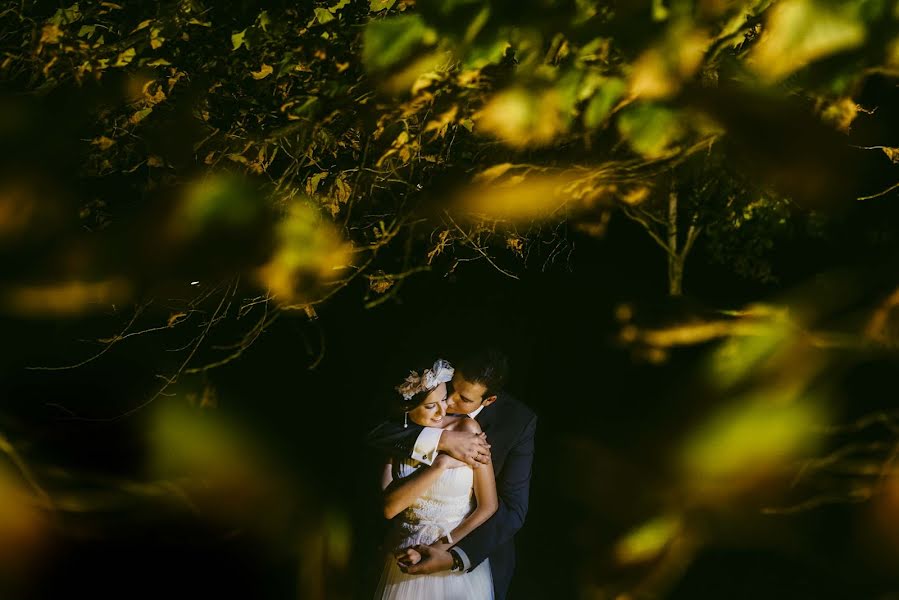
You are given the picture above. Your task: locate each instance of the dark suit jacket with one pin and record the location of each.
(510, 427)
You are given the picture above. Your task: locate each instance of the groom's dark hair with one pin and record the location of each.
(487, 366)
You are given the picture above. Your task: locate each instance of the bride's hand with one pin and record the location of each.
(445, 461)
(407, 557)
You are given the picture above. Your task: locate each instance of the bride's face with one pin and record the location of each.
(431, 410)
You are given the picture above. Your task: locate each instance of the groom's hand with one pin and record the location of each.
(434, 559)
(469, 447)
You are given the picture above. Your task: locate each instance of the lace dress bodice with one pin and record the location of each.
(430, 517)
(438, 510)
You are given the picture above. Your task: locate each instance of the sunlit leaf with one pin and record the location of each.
(140, 115)
(659, 72)
(64, 16)
(103, 142)
(215, 202)
(238, 39)
(24, 526)
(50, 34)
(651, 130)
(389, 41)
(521, 118)
(379, 5)
(799, 32)
(607, 95)
(323, 15)
(264, 71)
(309, 252)
(313, 181)
(63, 299)
(841, 113)
(746, 443)
(518, 197)
(124, 58)
(759, 334)
(648, 540)
(488, 175)
(156, 40)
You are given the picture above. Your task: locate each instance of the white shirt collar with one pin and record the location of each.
(474, 413)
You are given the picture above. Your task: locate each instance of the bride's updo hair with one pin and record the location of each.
(418, 384)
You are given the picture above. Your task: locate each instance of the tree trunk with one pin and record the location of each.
(675, 258)
(675, 275)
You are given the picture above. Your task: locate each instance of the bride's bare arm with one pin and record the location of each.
(399, 494)
(484, 490)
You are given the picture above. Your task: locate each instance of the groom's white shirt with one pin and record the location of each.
(425, 450)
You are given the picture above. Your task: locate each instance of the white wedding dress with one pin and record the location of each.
(432, 516)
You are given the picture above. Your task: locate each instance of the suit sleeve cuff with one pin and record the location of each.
(466, 563)
(425, 449)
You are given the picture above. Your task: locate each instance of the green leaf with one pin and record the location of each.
(486, 52)
(64, 16)
(379, 5)
(237, 40)
(602, 102)
(650, 129)
(386, 42)
(263, 20)
(323, 15)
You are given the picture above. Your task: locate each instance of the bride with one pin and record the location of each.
(442, 503)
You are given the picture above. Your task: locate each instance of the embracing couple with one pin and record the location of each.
(455, 481)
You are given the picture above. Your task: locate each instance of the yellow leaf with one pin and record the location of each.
(155, 39)
(263, 72)
(153, 98)
(50, 34)
(893, 153)
(312, 182)
(64, 298)
(522, 118)
(648, 540)
(380, 283)
(342, 190)
(103, 142)
(237, 39)
(515, 244)
(140, 116)
(488, 175)
(142, 25)
(442, 123)
(799, 32)
(841, 114)
(124, 58)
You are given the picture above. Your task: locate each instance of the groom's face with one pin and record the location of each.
(466, 396)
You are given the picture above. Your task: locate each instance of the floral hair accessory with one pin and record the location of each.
(416, 383)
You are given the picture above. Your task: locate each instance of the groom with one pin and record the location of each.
(476, 390)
